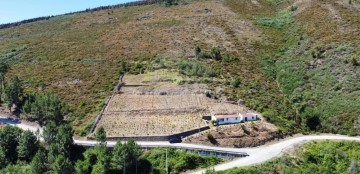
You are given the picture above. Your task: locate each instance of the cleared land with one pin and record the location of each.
(145, 123)
(154, 104)
(141, 115)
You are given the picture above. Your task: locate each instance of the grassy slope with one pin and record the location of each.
(307, 53)
(77, 56)
(317, 157)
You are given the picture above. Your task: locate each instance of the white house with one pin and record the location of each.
(221, 119)
(226, 119)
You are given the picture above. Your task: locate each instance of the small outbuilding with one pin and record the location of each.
(249, 117)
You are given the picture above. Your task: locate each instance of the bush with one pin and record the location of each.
(235, 82)
(215, 53)
(197, 52)
(246, 131)
(194, 68)
(228, 58)
(353, 60)
(211, 138)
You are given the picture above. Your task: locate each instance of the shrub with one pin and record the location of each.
(353, 61)
(282, 19)
(211, 138)
(194, 68)
(235, 82)
(197, 52)
(243, 127)
(215, 53)
(293, 8)
(228, 58)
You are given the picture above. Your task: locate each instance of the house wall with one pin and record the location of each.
(249, 118)
(228, 120)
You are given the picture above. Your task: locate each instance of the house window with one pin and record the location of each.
(252, 117)
(227, 119)
(221, 119)
(235, 118)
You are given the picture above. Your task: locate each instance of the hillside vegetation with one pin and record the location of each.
(297, 62)
(318, 157)
(311, 51)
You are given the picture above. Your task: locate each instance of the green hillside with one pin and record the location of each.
(297, 62)
(317, 157)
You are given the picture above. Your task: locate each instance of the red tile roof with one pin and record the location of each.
(249, 114)
(227, 116)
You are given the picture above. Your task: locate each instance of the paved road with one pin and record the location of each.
(267, 152)
(256, 155)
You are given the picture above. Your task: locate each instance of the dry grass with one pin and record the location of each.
(121, 103)
(145, 123)
(86, 48)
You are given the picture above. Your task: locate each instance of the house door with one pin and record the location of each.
(245, 118)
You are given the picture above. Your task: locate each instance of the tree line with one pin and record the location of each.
(21, 152)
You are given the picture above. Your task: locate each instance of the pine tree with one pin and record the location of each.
(100, 135)
(28, 145)
(3, 70)
(38, 163)
(62, 165)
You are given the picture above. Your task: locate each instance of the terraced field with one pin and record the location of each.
(150, 123)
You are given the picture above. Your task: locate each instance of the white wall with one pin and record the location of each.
(228, 120)
(249, 118)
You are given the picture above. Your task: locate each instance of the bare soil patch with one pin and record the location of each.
(248, 134)
(150, 123)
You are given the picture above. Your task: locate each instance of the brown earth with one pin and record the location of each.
(248, 134)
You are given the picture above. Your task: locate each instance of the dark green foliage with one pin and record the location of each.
(198, 52)
(170, 2)
(59, 140)
(44, 107)
(318, 157)
(124, 67)
(346, 123)
(28, 146)
(82, 167)
(62, 165)
(211, 138)
(38, 163)
(49, 133)
(215, 53)
(126, 155)
(3, 160)
(9, 140)
(118, 158)
(235, 82)
(311, 119)
(228, 58)
(13, 93)
(194, 68)
(100, 135)
(353, 60)
(178, 161)
(4, 67)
